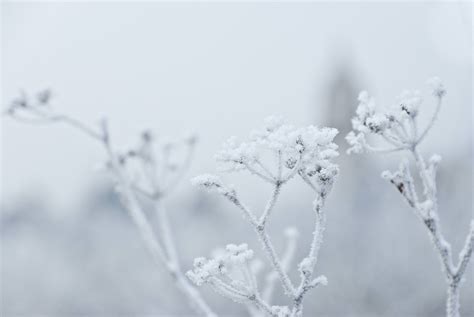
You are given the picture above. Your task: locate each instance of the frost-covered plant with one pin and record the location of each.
(306, 153)
(399, 129)
(148, 171)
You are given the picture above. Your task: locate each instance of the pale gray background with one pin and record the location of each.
(219, 69)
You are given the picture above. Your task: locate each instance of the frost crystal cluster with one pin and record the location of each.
(398, 128)
(214, 271)
(397, 125)
(311, 148)
(306, 153)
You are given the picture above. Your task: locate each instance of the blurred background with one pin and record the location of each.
(217, 69)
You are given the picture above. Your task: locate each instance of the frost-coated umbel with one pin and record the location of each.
(398, 127)
(305, 153)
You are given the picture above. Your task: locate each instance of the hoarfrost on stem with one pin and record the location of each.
(398, 128)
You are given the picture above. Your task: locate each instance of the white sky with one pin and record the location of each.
(217, 69)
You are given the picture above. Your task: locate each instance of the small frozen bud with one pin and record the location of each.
(147, 136)
(437, 87)
(207, 181)
(234, 156)
(280, 311)
(290, 163)
(43, 97)
(320, 280)
(195, 278)
(20, 102)
(213, 182)
(239, 253)
(377, 123)
(306, 265)
(205, 269)
(409, 102)
(327, 175)
(365, 108)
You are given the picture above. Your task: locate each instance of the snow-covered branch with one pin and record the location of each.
(399, 128)
(157, 175)
(304, 152)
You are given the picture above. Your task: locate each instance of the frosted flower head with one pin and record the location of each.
(239, 253)
(235, 156)
(24, 102)
(366, 104)
(207, 181)
(325, 175)
(377, 123)
(317, 150)
(309, 145)
(205, 269)
(365, 109)
(409, 102)
(397, 125)
(367, 119)
(437, 87)
(221, 264)
(276, 134)
(44, 96)
(213, 183)
(308, 149)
